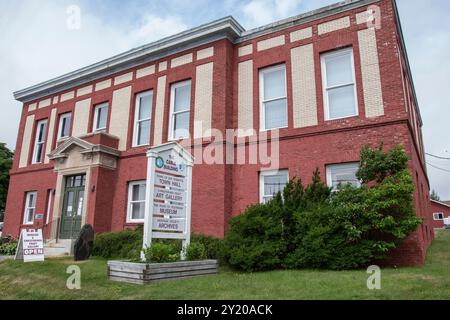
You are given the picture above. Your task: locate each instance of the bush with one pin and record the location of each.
(196, 251)
(162, 252)
(314, 228)
(125, 244)
(8, 248)
(213, 246)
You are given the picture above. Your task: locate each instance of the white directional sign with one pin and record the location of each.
(168, 195)
(31, 246)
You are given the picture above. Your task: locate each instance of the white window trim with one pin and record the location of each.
(328, 172)
(130, 202)
(37, 142)
(264, 174)
(137, 121)
(27, 201)
(94, 125)
(323, 58)
(67, 115)
(436, 216)
(171, 136)
(262, 110)
(49, 206)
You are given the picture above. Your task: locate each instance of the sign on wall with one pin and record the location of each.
(168, 194)
(31, 246)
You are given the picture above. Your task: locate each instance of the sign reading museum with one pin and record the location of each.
(168, 198)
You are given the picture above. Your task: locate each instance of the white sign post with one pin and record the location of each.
(168, 195)
(31, 246)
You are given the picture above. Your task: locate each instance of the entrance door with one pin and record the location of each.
(72, 207)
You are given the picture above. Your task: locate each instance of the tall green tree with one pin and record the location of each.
(6, 159)
(434, 196)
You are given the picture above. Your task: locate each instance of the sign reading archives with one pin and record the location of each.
(31, 246)
(168, 194)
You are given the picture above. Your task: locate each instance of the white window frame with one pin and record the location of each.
(27, 201)
(137, 121)
(264, 174)
(173, 87)
(262, 109)
(37, 142)
(49, 206)
(436, 216)
(96, 110)
(63, 116)
(323, 59)
(131, 184)
(328, 172)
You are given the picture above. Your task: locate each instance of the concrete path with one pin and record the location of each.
(5, 258)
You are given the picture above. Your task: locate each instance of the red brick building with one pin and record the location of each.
(331, 80)
(440, 212)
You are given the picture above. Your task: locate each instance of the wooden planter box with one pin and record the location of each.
(144, 273)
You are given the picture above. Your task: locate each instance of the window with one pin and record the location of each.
(273, 98)
(143, 118)
(30, 208)
(272, 182)
(136, 201)
(339, 85)
(39, 144)
(100, 117)
(341, 174)
(180, 105)
(438, 216)
(64, 125)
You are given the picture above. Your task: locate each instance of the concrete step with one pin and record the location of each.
(58, 248)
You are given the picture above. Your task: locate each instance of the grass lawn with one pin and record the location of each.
(47, 280)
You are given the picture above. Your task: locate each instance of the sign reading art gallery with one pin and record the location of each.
(168, 194)
(30, 247)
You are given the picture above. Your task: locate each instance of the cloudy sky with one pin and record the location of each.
(36, 45)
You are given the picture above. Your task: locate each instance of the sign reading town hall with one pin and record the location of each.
(168, 194)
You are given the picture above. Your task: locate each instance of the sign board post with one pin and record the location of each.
(168, 195)
(31, 246)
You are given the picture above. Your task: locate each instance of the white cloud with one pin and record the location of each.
(154, 28)
(261, 12)
(36, 45)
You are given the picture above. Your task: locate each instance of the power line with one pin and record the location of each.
(438, 157)
(431, 165)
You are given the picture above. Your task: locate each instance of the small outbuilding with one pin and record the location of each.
(440, 211)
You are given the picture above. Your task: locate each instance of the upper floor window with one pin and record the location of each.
(64, 125)
(339, 85)
(273, 97)
(180, 107)
(438, 216)
(136, 201)
(30, 208)
(342, 174)
(39, 144)
(143, 118)
(272, 182)
(100, 117)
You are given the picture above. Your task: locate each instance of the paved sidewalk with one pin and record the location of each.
(5, 258)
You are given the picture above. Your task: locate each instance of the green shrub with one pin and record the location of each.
(314, 228)
(213, 246)
(196, 251)
(8, 248)
(125, 244)
(162, 252)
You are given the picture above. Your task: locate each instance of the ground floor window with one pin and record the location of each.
(30, 208)
(438, 216)
(342, 174)
(272, 182)
(136, 201)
